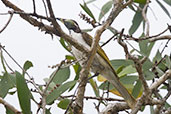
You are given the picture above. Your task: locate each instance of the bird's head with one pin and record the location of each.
(70, 24)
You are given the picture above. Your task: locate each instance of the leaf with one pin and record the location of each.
(146, 47)
(95, 87)
(168, 62)
(148, 75)
(5, 84)
(164, 9)
(87, 10)
(128, 79)
(61, 76)
(64, 44)
(27, 65)
(137, 89)
(140, 1)
(77, 69)
(69, 57)
(63, 104)
(120, 62)
(106, 7)
(147, 65)
(90, 1)
(137, 19)
(127, 70)
(58, 91)
(168, 2)
(48, 111)
(24, 94)
(157, 57)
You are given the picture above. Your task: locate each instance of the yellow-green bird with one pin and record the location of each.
(101, 63)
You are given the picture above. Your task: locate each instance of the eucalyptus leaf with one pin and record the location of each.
(121, 62)
(164, 8)
(105, 9)
(61, 76)
(127, 70)
(88, 11)
(128, 79)
(5, 84)
(64, 44)
(168, 2)
(58, 91)
(95, 87)
(137, 89)
(63, 104)
(23, 93)
(137, 19)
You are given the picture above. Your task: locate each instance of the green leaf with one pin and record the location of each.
(149, 75)
(64, 44)
(127, 70)
(87, 10)
(63, 104)
(164, 9)
(48, 111)
(137, 89)
(106, 86)
(106, 7)
(146, 47)
(90, 1)
(147, 65)
(128, 79)
(168, 62)
(70, 57)
(137, 19)
(95, 87)
(168, 2)
(61, 76)
(120, 62)
(140, 1)
(77, 69)
(27, 65)
(58, 91)
(157, 57)
(5, 84)
(24, 94)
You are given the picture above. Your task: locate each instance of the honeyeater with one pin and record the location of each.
(101, 63)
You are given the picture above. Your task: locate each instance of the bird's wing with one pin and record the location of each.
(100, 51)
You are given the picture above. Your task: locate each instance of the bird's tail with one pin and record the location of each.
(114, 80)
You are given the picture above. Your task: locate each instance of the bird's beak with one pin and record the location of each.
(60, 19)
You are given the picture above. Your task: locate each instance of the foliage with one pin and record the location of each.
(59, 81)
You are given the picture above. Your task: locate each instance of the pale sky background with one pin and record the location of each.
(25, 42)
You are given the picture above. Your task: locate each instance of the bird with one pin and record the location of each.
(101, 64)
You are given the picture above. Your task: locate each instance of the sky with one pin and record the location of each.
(25, 42)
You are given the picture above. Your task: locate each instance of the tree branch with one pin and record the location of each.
(6, 104)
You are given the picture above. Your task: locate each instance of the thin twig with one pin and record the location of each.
(34, 7)
(46, 12)
(9, 20)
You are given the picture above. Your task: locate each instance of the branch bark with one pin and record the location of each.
(6, 104)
